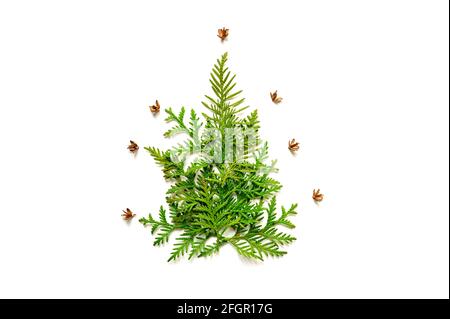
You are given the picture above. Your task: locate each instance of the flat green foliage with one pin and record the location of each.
(214, 203)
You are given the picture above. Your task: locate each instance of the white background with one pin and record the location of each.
(365, 87)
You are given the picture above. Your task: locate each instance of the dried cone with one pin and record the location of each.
(293, 145)
(222, 33)
(275, 98)
(127, 214)
(155, 108)
(133, 147)
(317, 196)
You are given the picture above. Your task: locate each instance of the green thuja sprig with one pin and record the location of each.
(218, 200)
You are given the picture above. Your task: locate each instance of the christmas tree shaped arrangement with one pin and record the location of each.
(221, 191)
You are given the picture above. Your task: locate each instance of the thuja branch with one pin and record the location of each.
(226, 195)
